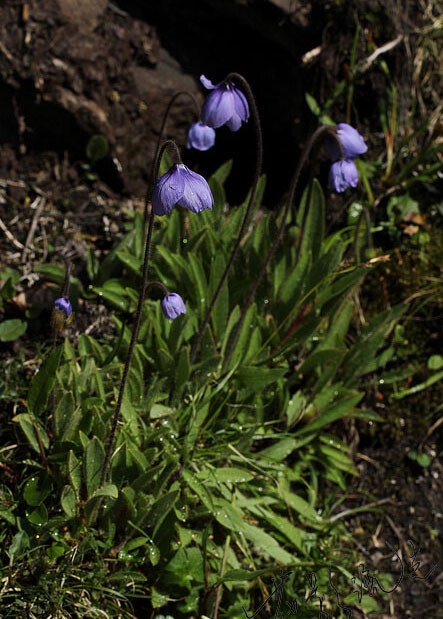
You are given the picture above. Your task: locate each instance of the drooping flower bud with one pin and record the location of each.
(173, 305)
(351, 141)
(61, 314)
(225, 105)
(200, 136)
(343, 174)
(181, 186)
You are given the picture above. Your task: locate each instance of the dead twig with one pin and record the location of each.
(10, 236)
(41, 204)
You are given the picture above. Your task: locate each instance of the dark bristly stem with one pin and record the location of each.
(173, 99)
(136, 327)
(239, 79)
(320, 132)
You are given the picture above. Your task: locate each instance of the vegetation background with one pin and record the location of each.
(83, 89)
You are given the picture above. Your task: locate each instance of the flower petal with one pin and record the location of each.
(207, 83)
(352, 142)
(63, 305)
(343, 174)
(240, 104)
(218, 107)
(200, 136)
(197, 195)
(234, 123)
(173, 305)
(167, 191)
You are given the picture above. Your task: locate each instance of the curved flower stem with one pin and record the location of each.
(135, 330)
(173, 99)
(162, 286)
(258, 167)
(320, 132)
(364, 213)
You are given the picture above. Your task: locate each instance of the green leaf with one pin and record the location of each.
(435, 362)
(94, 460)
(222, 173)
(160, 510)
(313, 230)
(130, 261)
(97, 147)
(110, 490)
(33, 431)
(200, 490)
(280, 450)
(38, 516)
(11, 330)
(312, 104)
(42, 384)
(36, 490)
(7, 515)
(257, 377)
(240, 575)
(296, 536)
(338, 410)
(230, 517)
(424, 460)
(226, 475)
(183, 368)
(369, 341)
(68, 501)
(72, 425)
(19, 543)
(74, 472)
(64, 412)
(221, 308)
(300, 505)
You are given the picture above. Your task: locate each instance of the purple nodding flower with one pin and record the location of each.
(64, 305)
(181, 186)
(200, 136)
(343, 174)
(225, 105)
(172, 305)
(351, 141)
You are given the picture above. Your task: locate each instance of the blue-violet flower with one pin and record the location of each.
(172, 305)
(351, 141)
(181, 186)
(342, 175)
(64, 305)
(225, 105)
(200, 136)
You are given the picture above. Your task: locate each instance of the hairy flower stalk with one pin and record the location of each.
(258, 167)
(170, 188)
(154, 166)
(319, 133)
(136, 326)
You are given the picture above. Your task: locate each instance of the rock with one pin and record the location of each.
(85, 13)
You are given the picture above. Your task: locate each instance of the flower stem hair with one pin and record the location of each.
(239, 79)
